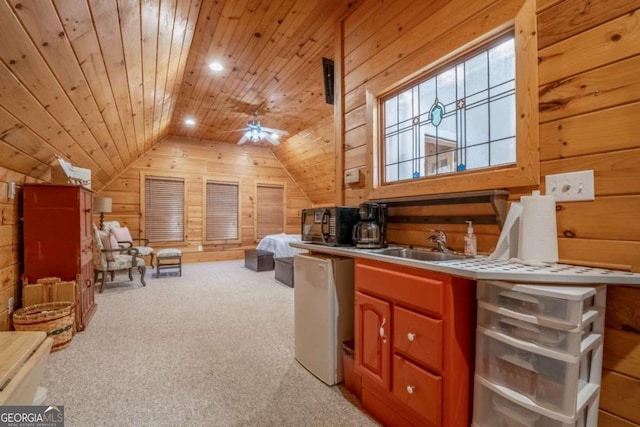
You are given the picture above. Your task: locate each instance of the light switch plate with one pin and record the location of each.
(571, 186)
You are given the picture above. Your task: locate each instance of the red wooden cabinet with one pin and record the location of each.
(58, 240)
(414, 344)
(373, 346)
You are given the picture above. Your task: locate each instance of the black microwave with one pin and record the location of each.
(332, 226)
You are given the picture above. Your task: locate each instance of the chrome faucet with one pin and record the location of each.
(440, 239)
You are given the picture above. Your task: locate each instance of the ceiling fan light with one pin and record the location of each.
(189, 122)
(275, 135)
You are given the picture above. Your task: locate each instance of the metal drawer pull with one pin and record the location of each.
(384, 322)
(411, 336)
(410, 389)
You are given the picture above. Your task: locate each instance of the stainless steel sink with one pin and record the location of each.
(422, 255)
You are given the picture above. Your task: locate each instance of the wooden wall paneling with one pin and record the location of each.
(150, 21)
(622, 352)
(420, 46)
(621, 255)
(107, 28)
(78, 25)
(570, 17)
(620, 395)
(623, 308)
(605, 419)
(590, 49)
(600, 131)
(44, 27)
(545, 4)
(355, 98)
(615, 173)
(389, 29)
(584, 220)
(356, 137)
(607, 86)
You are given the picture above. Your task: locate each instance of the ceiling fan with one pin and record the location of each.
(255, 132)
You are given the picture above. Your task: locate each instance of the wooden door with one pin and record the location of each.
(373, 339)
(86, 298)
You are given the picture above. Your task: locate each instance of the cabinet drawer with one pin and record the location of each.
(402, 285)
(418, 389)
(418, 336)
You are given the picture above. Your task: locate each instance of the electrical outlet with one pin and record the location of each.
(199, 248)
(10, 305)
(571, 186)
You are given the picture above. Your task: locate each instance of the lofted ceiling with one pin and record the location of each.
(99, 82)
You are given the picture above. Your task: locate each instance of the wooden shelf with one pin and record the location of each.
(497, 199)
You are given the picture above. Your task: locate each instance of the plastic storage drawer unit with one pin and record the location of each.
(258, 260)
(550, 379)
(562, 307)
(518, 326)
(491, 409)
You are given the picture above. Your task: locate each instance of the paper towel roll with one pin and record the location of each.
(538, 240)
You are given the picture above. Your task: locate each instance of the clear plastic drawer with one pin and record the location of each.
(562, 307)
(491, 409)
(549, 379)
(517, 326)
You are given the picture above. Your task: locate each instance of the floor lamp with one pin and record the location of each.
(102, 205)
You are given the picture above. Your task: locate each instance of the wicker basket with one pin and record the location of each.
(54, 318)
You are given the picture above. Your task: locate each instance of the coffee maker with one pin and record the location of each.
(371, 231)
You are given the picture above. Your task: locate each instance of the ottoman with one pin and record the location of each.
(258, 260)
(284, 271)
(168, 258)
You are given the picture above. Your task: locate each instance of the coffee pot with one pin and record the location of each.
(370, 231)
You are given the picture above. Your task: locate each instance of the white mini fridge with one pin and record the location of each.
(324, 306)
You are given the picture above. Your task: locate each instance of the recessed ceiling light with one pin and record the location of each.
(216, 66)
(189, 122)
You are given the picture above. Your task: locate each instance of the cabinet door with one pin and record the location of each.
(86, 218)
(373, 339)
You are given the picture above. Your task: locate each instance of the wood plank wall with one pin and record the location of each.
(589, 55)
(193, 160)
(309, 156)
(10, 242)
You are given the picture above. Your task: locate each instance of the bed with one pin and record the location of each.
(279, 245)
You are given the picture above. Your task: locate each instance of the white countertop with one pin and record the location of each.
(481, 268)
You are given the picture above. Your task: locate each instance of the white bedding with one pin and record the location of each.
(279, 245)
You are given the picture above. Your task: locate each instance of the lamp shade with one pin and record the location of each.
(102, 204)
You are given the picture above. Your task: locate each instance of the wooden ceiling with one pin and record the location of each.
(99, 82)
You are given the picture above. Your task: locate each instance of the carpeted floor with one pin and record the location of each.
(211, 348)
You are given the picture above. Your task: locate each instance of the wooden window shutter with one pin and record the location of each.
(222, 211)
(269, 210)
(164, 209)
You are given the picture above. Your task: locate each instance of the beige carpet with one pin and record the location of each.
(211, 348)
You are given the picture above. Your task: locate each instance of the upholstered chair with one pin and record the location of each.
(109, 257)
(124, 238)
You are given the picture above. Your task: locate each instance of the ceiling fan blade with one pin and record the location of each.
(244, 139)
(272, 140)
(276, 131)
(234, 130)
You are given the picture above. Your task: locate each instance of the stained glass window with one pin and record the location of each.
(459, 117)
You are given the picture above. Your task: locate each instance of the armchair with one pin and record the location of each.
(114, 258)
(124, 238)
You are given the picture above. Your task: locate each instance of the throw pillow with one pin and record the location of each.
(109, 242)
(122, 234)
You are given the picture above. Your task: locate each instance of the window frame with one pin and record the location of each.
(525, 171)
(211, 179)
(279, 184)
(143, 208)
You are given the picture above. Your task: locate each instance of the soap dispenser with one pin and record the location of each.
(470, 241)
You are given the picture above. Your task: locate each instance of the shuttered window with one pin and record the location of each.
(222, 211)
(164, 209)
(269, 210)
